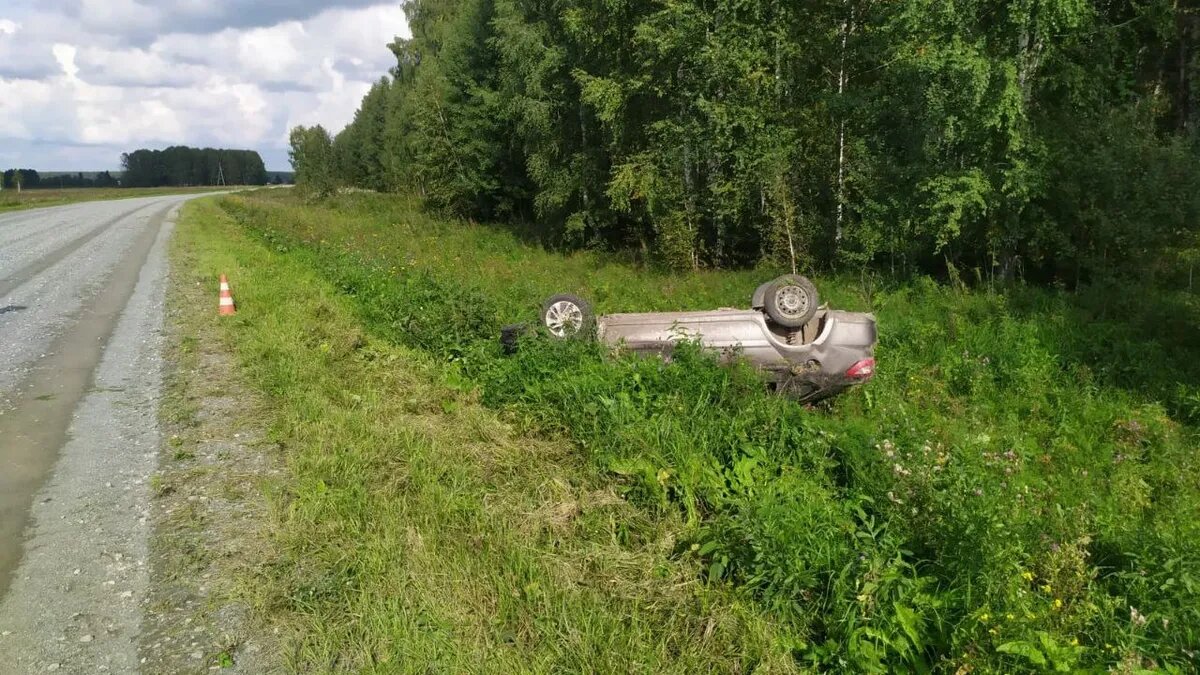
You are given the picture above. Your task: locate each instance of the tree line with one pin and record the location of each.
(183, 166)
(23, 179)
(30, 179)
(1049, 138)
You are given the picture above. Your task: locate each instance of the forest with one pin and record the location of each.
(1051, 139)
(180, 166)
(1011, 188)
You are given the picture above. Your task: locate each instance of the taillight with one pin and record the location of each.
(863, 370)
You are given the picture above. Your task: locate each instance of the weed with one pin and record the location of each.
(159, 487)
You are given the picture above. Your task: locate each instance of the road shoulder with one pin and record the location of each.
(210, 512)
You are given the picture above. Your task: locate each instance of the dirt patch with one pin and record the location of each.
(210, 512)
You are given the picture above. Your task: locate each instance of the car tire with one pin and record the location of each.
(510, 338)
(567, 316)
(791, 301)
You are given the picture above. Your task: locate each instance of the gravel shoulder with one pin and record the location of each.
(210, 512)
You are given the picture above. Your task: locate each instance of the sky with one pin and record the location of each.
(82, 81)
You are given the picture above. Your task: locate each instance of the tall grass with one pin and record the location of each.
(1017, 489)
(417, 531)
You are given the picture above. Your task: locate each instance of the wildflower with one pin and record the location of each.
(978, 492)
(1047, 589)
(984, 617)
(1136, 617)
(1028, 576)
(1009, 616)
(1075, 642)
(1166, 622)
(1058, 603)
(993, 631)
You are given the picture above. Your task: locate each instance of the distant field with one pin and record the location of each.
(10, 200)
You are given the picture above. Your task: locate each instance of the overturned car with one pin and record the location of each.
(805, 350)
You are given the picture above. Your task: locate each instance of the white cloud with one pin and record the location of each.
(65, 55)
(334, 107)
(28, 110)
(78, 93)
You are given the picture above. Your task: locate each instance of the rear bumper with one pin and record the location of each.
(843, 356)
(848, 338)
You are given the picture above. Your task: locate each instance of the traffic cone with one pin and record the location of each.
(226, 307)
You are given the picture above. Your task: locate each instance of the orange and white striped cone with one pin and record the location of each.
(226, 306)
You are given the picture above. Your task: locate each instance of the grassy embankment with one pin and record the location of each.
(11, 200)
(418, 530)
(1017, 489)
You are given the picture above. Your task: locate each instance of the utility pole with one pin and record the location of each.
(220, 174)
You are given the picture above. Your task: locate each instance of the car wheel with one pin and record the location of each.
(567, 316)
(792, 301)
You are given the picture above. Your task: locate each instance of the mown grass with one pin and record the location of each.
(420, 532)
(1017, 489)
(11, 200)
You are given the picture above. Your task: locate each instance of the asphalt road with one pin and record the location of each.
(81, 315)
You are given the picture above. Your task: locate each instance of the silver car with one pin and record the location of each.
(805, 350)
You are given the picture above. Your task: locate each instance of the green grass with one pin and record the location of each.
(1017, 489)
(420, 531)
(11, 200)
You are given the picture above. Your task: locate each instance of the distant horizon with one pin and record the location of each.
(62, 172)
